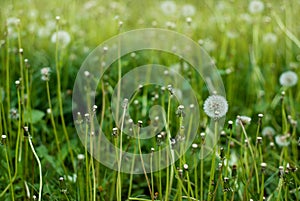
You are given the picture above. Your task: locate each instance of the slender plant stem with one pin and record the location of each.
(40, 167)
(59, 97)
(213, 161)
(17, 147)
(119, 179)
(54, 126)
(9, 175)
(143, 165)
(252, 155)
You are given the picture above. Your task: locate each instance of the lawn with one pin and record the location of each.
(149, 100)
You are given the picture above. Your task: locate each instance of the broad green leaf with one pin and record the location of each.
(33, 116)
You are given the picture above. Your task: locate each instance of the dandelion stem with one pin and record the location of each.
(54, 126)
(59, 97)
(9, 174)
(143, 165)
(40, 167)
(212, 170)
(119, 182)
(252, 155)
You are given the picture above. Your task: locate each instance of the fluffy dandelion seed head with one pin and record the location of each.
(80, 156)
(188, 20)
(194, 146)
(256, 7)
(25, 128)
(168, 7)
(62, 37)
(215, 106)
(244, 119)
(186, 166)
(3, 136)
(45, 73)
(208, 44)
(86, 73)
(268, 131)
(12, 21)
(263, 165)
(260, 115)
(72, 178)
(270, 38)
(282, 140)
(188, 10)
(288, 79)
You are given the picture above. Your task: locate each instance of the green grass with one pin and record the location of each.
(46, 161)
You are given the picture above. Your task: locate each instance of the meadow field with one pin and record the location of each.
(149, 100)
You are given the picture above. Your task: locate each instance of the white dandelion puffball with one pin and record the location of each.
(282, 140)
(215, 106)
(245, 120)
(168, 7)
(62, 37)
(268, 131)
(45, 73)
(270, 38)
(288, 79)
(12, 21)
(256, 7)
(188, 10)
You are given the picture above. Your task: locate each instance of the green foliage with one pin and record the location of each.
(250, 50)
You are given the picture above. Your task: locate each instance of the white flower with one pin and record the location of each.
(45, 73)
(256, 7)
(288, 79)
(244, 119)
(215, 106)
(268, 131)
(282, 140)
(168, 7)
(188, 10)
(270, 38)
(62, 37)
